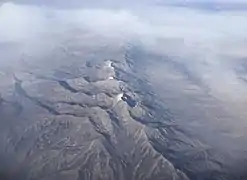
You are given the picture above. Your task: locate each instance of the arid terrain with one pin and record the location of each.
(91, 99)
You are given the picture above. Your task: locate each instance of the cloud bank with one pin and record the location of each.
(197, 37)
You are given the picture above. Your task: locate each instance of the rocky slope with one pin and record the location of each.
(70, 116)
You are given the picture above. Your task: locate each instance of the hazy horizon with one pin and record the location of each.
(144, 90)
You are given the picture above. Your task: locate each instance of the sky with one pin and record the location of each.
(190, 3)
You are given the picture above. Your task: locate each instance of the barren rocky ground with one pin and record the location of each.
(90, 99)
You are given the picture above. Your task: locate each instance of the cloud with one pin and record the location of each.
(197, 37)
(18, 22)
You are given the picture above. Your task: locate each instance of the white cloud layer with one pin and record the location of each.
(197, 36)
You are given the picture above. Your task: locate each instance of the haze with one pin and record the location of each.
(123, 90)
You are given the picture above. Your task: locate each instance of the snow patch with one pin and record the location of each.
(109, 64)
(110, 78)
(119, 97)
